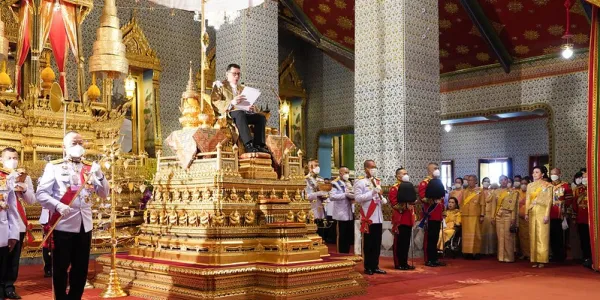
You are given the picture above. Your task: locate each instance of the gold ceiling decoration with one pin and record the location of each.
(482, 56)
(444, 53)
(462, 49)
(541, 2)
(340, 4)
(320, 20)
(556, 30)
(445, 24)
(515, 6)
(299, 2)
(451, 8)
(531, 35)
(331, 34)
(521, 49)
(324, 8)
(580, 38)
(349, 40)
(344, 23)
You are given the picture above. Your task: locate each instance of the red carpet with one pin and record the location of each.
(461, 279)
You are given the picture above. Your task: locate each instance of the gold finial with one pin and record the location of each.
(108, 57)
(93, 91)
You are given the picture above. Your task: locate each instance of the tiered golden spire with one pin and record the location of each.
(108, 56)
(190, 107)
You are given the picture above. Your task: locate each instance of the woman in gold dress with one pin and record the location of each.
(523, 225)
(505, 214)
(457, 190)
(472, 213)
(538, 203)
(452, 219)
(488, 229)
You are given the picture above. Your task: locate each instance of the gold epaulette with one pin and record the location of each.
(5, 171)
(57, 161)
(87, 162)
(396, 184)
(360, 177)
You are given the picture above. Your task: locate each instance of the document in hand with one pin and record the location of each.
(251, 95)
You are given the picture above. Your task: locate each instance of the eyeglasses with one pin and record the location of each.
(235, 74)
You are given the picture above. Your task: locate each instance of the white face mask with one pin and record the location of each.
(517, 185)
(436, 173)
(584, 181)
(406, 178)
(345, 177)
(76, 151)
(486, 184)
(509, 185)
(373, 172)
(523, 188)
(11, 164)
(457, 186)
(577, 181)
(316, 170)
(554, 177)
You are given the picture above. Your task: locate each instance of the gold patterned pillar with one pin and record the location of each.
(396, 85)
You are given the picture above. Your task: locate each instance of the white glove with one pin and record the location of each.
(376, 191)
(217, 84)
(383, 200)
(322, 194)
(62, 209)
(349, 195)
(96, 170)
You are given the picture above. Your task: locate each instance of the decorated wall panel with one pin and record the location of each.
(175, 40)
(518, 139)
(251, 41)
(566, 94)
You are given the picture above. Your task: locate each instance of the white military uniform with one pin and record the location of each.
(9, 216)
(312, 194)
(363, 194)
(28, 195)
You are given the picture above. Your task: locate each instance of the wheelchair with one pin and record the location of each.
(453, 247)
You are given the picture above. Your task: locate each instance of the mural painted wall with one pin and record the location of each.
(519, 139)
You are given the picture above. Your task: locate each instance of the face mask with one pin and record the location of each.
(406, 178)
(373, 172)
(436, 173)
(345, 177)
(457, 186)
(465, 185)
(486, 184)
(523, 188)
(554, 177)
(584, 181)
(316, 170)
(11, 164)
(509, 185)
(517, 185)
(76, 151)
(578, 181)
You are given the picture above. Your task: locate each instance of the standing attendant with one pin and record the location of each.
(489, 239)
(9, 223)
(21, 184)
(457, 190)
(563, 194)
(523, 224)
(341, 199)
(316, 197)
(72, 236)
(402, 198)
(539, 203)
(367, 192)
(580, 208)
(431, 193)
(472, 214)
(505, 214)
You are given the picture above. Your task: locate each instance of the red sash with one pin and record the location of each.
(66, 199)
(365, 220)
(23, 216)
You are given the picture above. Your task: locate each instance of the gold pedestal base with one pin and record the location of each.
(159, 279)
(112, 289)
(256, 166)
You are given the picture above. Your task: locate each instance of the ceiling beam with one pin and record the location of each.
(488, 33)
(298, 14)
(588, 9)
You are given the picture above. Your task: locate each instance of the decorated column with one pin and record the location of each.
(251, 40)
(396, 86)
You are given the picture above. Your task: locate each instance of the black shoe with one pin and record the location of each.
(379, 271)
(250, 148)
(407, 268)
(368, 272)
(47, 274)
(11, 295)
(439, 263)
(262, 148)
(431, 264)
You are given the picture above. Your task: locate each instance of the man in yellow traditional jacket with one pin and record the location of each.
(472, 213)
